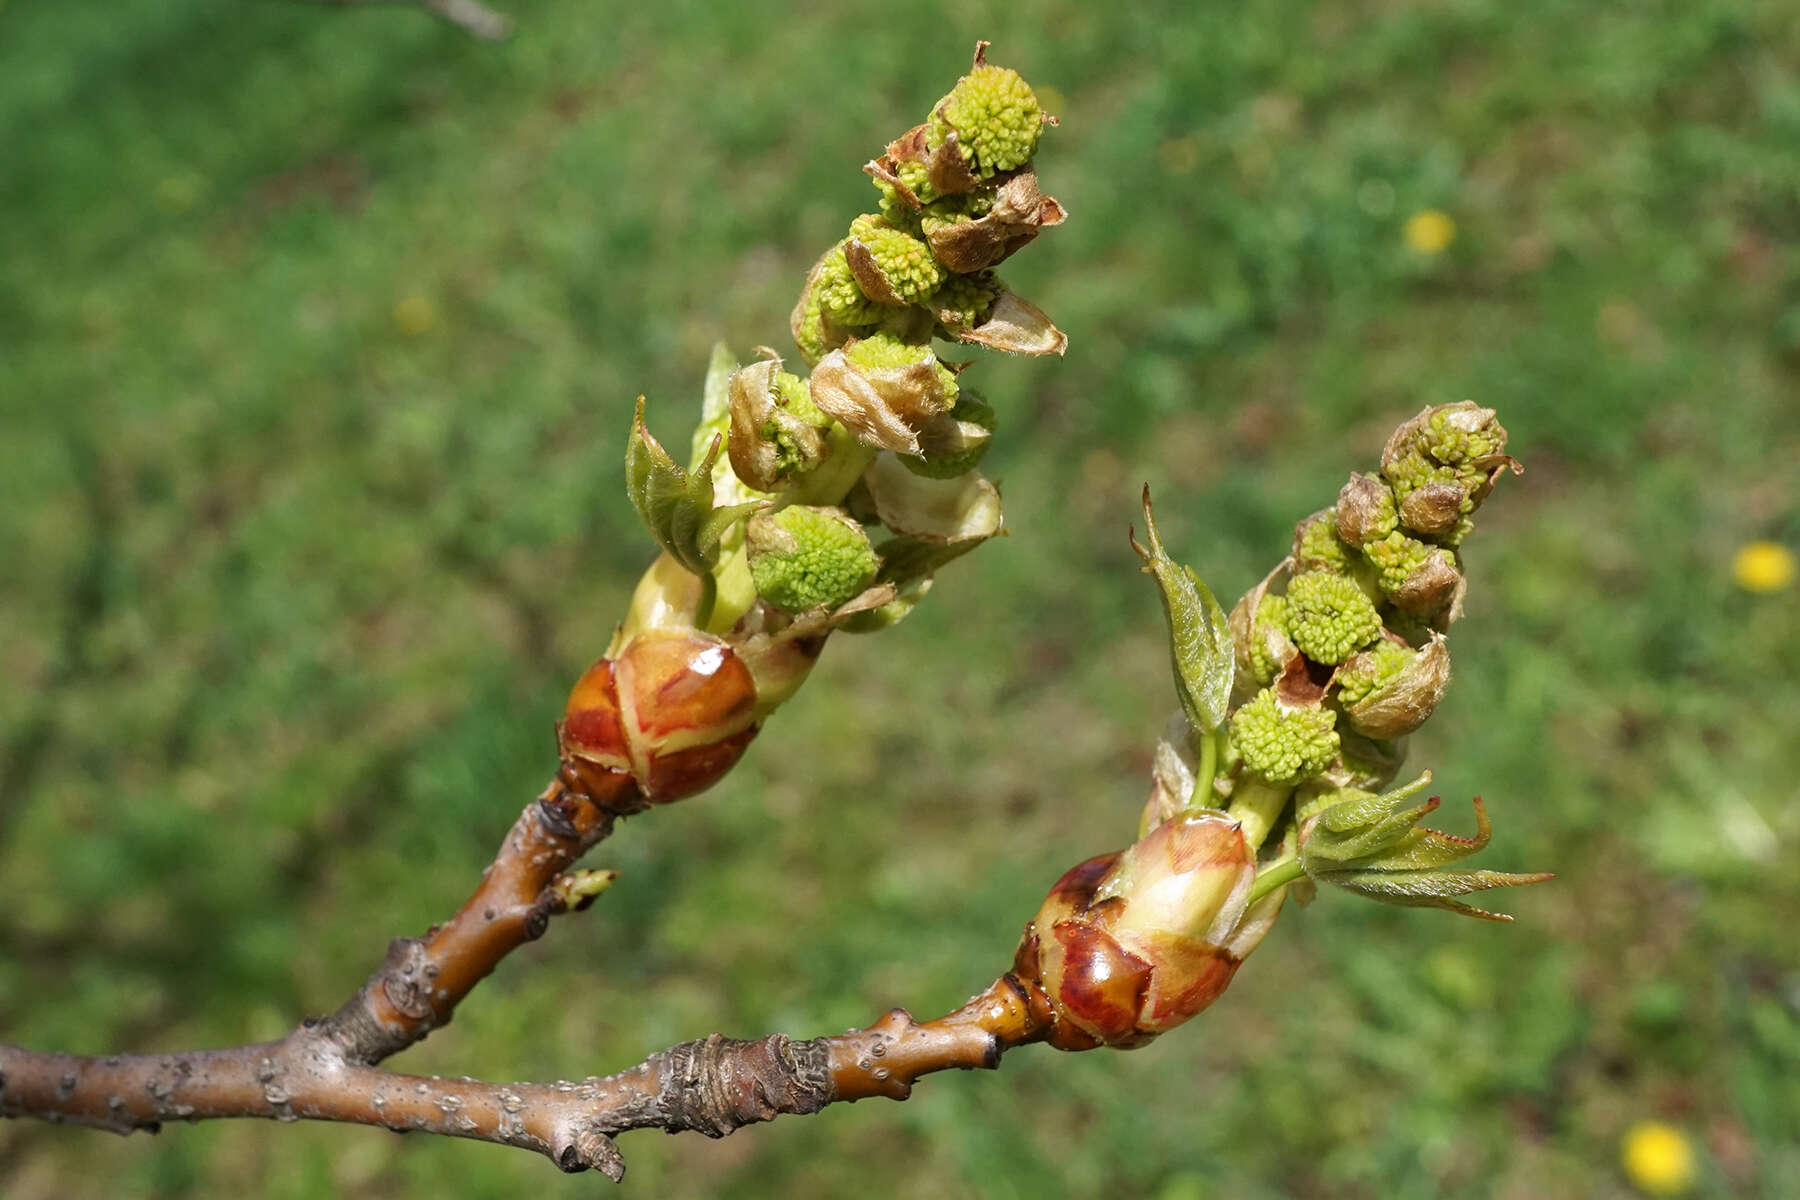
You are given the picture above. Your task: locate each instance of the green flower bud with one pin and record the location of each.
(776, 432)
(957, 452)
(1317, 546)
(1365, 510)
(1370, 670)
(1395, 558)
(1403, 694)
(1282, 745)
(804, 558)
(888, 392)
(963, 302)
(1329, 617)
(890, 265)
(994, 115)
(1270, 648)
(950, 210)
(840, 298)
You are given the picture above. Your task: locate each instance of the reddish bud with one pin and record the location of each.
(663, 720)
(1129, 945)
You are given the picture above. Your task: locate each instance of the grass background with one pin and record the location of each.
(292, 583)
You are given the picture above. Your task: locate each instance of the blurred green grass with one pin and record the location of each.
(292, 583)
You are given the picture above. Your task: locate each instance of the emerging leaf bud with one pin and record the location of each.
(665, 718)
(1130, 945)
(805, 558)
(1329, 617)
(1388, 691)
(1283, 745)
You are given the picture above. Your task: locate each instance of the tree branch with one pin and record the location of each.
(419, 984)
(713, 1085)
(471, 15)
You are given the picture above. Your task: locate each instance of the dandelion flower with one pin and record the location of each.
(1763, 567)
(415, 315)
(1657, 1159)
(1430, 231)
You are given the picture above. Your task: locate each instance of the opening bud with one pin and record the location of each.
(805, 558)
(1130, 945)
(664, 719)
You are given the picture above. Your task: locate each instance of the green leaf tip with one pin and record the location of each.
(1200, 645)
(1374, 846)
(677, 506)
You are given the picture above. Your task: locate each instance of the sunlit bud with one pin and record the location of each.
(971, 234)
(993, 114)
(1388, 690)
(664, 718)
(1419, 579)
(959, 447)
(1329, 617)
(805, 558)
(886, 391)
(1283, 745)
(890, 266)
(1365, 510)
(777, 433)
(1317, 546)
(1130, 945)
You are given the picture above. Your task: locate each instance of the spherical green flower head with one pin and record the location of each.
(903, 260)
(881, 349)
(839, 296)
(1318, 547)
(801, 558)
(1272, 611)
(976, 420)
(1395, 557)
(1329, 617)
(1372, 671)
(1281, 745)
(965, 300)
(996, 118)
(1456, 435)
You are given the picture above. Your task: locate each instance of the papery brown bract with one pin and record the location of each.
(663, 719)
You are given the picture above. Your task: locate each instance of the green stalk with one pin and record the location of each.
(1202, 796)
(1256, 806)
(1276, 875)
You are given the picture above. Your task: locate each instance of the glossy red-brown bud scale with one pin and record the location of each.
(664, 719)
(1131, 944)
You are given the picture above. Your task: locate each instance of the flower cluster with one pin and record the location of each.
(826, 500)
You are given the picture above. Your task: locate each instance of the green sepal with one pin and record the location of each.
(1375, 847)
(676, 505)
(1200, 645)
(908, 565)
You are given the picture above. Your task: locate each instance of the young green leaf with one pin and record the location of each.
(676, 505)
(1200, 644)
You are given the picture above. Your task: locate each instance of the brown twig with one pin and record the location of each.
(712, 1086)
(471, 15)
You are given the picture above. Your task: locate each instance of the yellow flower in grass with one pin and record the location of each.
(415, 315)
(1763, 567)
(1657, 1158)
(1430, 231)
